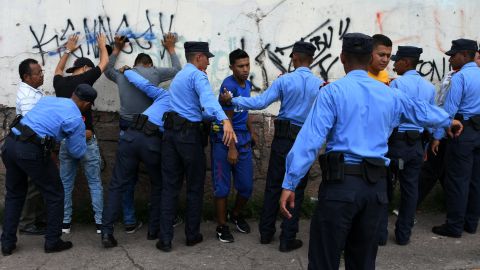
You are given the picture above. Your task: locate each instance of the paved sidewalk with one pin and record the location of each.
(426, 251)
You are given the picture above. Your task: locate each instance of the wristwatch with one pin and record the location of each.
(67, 51)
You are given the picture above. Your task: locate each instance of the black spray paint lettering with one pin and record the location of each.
(433, 71)
(54, 45)
(321, 38)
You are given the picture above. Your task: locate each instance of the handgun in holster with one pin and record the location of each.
(139, 121)
(333, 166)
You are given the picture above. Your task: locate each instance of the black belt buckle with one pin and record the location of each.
(373, 169)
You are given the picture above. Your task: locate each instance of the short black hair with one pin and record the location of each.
(303, 57)
(190, 56)
(471, 54)
(237, 54)
(379, 39)
(24, 67)
(412, 61)
(357, 58)
(143, 58)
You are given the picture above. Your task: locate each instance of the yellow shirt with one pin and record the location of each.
(381, 77)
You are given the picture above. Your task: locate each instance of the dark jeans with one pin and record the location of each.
(128, 198)
(462, 185)
(25, 160)
(134, 146)
(182, 154)
(273, 190)
(347, 218)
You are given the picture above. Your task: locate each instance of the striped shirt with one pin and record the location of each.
(27, 97)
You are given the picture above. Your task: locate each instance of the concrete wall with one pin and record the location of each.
(265, 29)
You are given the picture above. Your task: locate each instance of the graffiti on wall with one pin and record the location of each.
(53, 45)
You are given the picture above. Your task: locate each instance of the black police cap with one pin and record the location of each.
(86, 93)
(407, 51)
(462, 45)
(357, 43)
(80, 62)
(303, 47)
(197, 46)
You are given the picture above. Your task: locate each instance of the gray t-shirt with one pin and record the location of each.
(132, 100)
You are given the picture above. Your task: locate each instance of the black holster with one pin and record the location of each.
(373, 169)
(140, 122)
(333, 166)
(285, 130)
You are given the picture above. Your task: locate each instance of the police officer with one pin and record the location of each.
(462, 183)
(141, 142)
(26, 154)
(296, 92)
(405, 143)
(355, 115)
(183, 153)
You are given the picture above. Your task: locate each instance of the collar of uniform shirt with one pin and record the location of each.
(411, 72)
(357, 72)
(469, 65)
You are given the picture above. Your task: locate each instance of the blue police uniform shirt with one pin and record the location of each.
(161, 98)
(416, 87)
(296, 91)
(239, 119)
(191, 93)
(58, 118)
(464, 94)
(356, 115)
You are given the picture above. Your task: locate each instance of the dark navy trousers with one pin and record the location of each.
(412, 156)
(25, 160)
(134, 147)
(433, 170)
(462, 184)
(182, 154)
(347, 218)
(273, 189)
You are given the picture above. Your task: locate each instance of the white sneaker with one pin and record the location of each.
(66, 228)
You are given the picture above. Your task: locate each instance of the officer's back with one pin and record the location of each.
(298, 91)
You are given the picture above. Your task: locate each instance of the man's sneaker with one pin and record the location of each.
(177, 221)
(66, 228)
(224, 235)
(194, 241)
(240, 223)
(134, 227)
(443, 230)
(99, 228)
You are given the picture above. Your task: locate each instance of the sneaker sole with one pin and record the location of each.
(223, 240)
(135, 230)
(66, 231)
(240, 230)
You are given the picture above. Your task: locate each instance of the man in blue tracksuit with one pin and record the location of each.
(236, 158)
(296, 92)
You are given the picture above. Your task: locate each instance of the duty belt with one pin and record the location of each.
(473, 121)
(334, 168)
(286, 130)
(410, 136)
(173, 120)
(141, 123)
